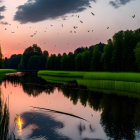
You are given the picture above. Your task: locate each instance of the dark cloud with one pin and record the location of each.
(2, 8)
(4, 23)
(38, 10)
(118, 3)
(1, 17)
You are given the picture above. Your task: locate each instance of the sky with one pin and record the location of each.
(60, 26)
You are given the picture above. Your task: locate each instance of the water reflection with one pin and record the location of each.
(19, 123)
(41, 125)
(4, 120)
(120, 116)
(31, 84)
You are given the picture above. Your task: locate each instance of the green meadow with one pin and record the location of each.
(4, 71)
(121, 83)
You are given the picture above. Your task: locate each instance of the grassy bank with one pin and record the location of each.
(119, 83)
(4, 71)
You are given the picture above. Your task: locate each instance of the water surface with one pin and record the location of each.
(74, 113)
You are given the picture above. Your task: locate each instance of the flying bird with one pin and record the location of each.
(133, 16)
(107, 27)
(81, 21)
(75, 27)
(92, 13)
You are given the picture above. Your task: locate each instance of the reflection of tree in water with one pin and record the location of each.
(31, 84)
(4, 120)
(120, 116)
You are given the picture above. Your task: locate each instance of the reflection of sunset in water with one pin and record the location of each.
(19, 123)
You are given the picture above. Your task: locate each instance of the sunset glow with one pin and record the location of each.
(54, 33)
(19, 123)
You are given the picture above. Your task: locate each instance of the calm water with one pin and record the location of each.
(75, 114)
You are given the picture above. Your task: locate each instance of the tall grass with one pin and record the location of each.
(112, 81)
(62, 73)
(4, 120)
(120, 76)
(117, 76)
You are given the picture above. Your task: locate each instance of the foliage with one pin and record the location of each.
(120, 54)
(12, 62)
(33, 59)
(137, 55)
(117, 55)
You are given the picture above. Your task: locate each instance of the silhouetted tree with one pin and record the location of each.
(33, 58)
(78, 62)
(107, 56)
(137, 55)
(85, 60)
(95, 64)
(64, 62)
(13, 62)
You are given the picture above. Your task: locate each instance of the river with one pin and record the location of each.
(47, 111)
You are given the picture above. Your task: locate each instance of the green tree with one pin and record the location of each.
(13, 62)
(107, 55)
(137, 55)
(64, 62)
(33, 50)
(45, 53)
(85, 60)
(71, 61)
(51, 62)
(95, 64)
(78, 62)
(117, 51)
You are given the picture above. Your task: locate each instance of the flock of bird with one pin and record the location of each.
(74, 30)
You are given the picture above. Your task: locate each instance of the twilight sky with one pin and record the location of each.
(63, 25)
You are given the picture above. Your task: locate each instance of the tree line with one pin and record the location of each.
(121, 53)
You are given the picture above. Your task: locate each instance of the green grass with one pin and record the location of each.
(120, 76)
(121, 82)
(4, 71)
(59, 80)
(61, 73)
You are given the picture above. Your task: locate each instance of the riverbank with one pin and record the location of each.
(5, 71)
(121, 83)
